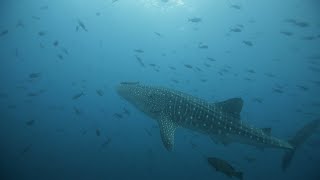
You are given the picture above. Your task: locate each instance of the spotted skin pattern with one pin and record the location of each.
(174, 109)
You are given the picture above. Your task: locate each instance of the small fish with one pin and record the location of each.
(98, 13)
(309, 38)
(100, 92)
(98, 132)
(36, 18)
(188, 66)
(60, 56)
(42, 33)
(207, 65)
(126, 111)
(172, 68)
(277, 90)
(30, 122)
(106, 143)
(303, 88)
(140, 61)
(64, 50)
(175, 81)
(236, 30)
(203, 46)
(118, 115)
(148, 132)
(138, 50)
(20, 24)
(248, 43)
(81, 24)
(195, 19)
(77, 111)
(4, 32)
(224, 167)
(251, 71)
(56, 43)
(45, 7)
(258, 100)
(235, 6)
(77, 96)
(113, 1)
(26, 149)
(158, 34)
(34, 75)
(302, 24)
(287, 33)
(211, 59)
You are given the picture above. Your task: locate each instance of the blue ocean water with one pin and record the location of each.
(61, 60)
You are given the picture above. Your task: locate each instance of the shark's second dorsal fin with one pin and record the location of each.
(266, 130)
(232, 106)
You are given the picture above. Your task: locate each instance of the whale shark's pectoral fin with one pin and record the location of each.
(167, 129)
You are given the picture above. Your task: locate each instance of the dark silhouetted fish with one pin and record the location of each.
(207, 65)
(235, 29)
(248, 43)
(211, 59)
(35, 18)
(258, 100)
(45, 7)
(138, 50)
(126, 111)
(188, 66)
(77, 111)
(106, 143)
(42, 33)
(148, 132)
(158, 34)
(297, 23)
(172, 68)
(30, 122)
(140, 61)
(309, 38)
(287, 33)
(26, 149)
(203, 46)
(277, 90)
(118, 115)
(64, 50)
(224, 167)
(20, 24)
(303, 88)
(114, 1)
(60, 56)
(56, 43)
(81, 24)
(235, 6)
(251, 71)
(175, 81)
(77, 96)
(195, 19)
(98, 132)
(34, 75)
(4, 32)
(99, 92)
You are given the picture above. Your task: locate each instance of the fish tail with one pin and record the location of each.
(299, 138)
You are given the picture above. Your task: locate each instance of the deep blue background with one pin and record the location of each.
(61, 144)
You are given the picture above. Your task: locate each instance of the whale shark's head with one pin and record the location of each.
(150, 100)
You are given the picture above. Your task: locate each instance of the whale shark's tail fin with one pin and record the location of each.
(300, 137)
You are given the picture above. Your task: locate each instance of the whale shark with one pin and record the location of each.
(221, 121)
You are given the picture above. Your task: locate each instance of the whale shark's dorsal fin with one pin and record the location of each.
(232, 106)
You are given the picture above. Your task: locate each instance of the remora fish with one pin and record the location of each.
(221, 121)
